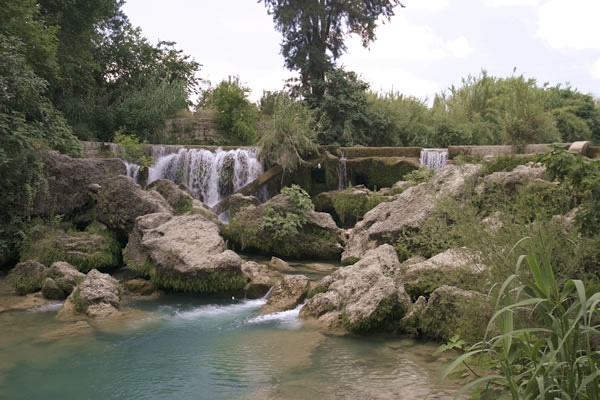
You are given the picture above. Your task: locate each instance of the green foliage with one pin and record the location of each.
(351, 206)
(288, 137)
(551, 357)
(133, 150)
(314, 32)
(423, 174)
(504, 163)
(29, 126)
(236, 115)
(582, 176)
(284, 225)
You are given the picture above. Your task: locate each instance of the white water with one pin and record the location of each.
(211, 176)
(133, 170)
(342, 173)
(434, 158)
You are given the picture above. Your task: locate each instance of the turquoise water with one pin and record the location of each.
(180, 347)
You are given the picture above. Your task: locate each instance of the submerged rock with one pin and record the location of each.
(97, 296)
(288, 294)
(121, 201)
(71, 183)
(319, 238)
(362, 297)
(183, 253)
(280, 265)
(408, 210)
(142, 287)
(27, 277)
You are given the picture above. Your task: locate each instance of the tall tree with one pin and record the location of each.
(314, 32)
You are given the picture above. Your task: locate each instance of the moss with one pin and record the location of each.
(208, 282)
(184, 207)
(387, 314)
(350, 205)
(350, 260)
(316, 291)
(428, 282)
(80, 305)
(25, 284)
(379, 172)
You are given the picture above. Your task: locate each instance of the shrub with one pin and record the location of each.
(284, 225)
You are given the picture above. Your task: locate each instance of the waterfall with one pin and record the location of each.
(434, 158)
(342, 173)
(133, 170)
(210, 176)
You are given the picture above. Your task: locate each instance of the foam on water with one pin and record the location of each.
(288, 318)
(54, 306)
(212, 310)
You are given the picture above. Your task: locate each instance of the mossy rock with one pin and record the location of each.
(95, 248)
(27, 277)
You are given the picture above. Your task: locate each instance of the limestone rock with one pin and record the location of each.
(98, 295)
(140, 287)
(178, 197)
(452, 311)
(259, 281)
(456, 267)
(51, 291)
(121, 201)
(365, 295)
(508, 181)
(27, 277)
(289, 293)
(235, 203)
(280, 265)
(68, 187)
(184, 253)
(319, 238)
(407, 210)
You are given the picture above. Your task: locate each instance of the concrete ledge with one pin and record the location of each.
(454, 151)
(580, 148)
(359, 152)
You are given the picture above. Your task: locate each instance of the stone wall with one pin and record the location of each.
(199, 129)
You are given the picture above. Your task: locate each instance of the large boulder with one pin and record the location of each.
(363, 297)
(452, 311)
(97, 296)
(180, 199)
(27, 277)
(407, 211)
(61, 279)
(319, 238)
(183, 253)
(121, 201)
(288, 294)
(234, 203)
(70, 183)
(259, 280)
(96, 249)
(455, 267)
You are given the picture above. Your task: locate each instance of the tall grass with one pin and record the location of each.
(556, 357)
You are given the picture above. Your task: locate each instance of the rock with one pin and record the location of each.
(183, 253)
(452, 311)
(178, 197)
(259, 282)
(365, 296)
(509, 181)
(65, 275)
(140, 287)
(289, 293)
(581, 147)
(51, 291)
(27, 277)
(121, 201)
(84, 250)
(493, 222)
(411, 322)
(319, 238)
(235, 203)
(408, 210)
(455, 267)
(568, 220)
(98, 295)
(348, 206)
(280, 265)
(320, 267)
(68, 187)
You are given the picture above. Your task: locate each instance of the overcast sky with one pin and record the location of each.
(426, 48)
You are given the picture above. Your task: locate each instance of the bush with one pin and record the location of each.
(283, 226)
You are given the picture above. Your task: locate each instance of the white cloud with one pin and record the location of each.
(427, 5)
(570, 24)
(509, 3)
(459, 47)
(595, 70)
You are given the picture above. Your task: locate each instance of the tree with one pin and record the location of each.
(314, 32)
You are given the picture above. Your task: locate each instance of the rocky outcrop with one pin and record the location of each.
(234, 203)
(27, 277)
(176, 195)
(452, 311)
(121, 201)
(183, 253)
(259, 281)
(288, 294)
(407, 211)
(71, 183)
(319, 238)
(455, 267)
(97, 296)
(84, 250)
(509, 181)
(363, 297)
(61, 279)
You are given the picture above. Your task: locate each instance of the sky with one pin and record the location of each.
(424, 49)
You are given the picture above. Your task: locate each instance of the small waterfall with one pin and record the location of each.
(434, 158)
(133, 170)
(210, 176)
(342, 173)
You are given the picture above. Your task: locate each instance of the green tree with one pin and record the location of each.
(314, 32)
(236, 115)
(29, 126)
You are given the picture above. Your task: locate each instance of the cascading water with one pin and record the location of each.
(342, 173)
(434, 158)
(210, 176)
(133, 170)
